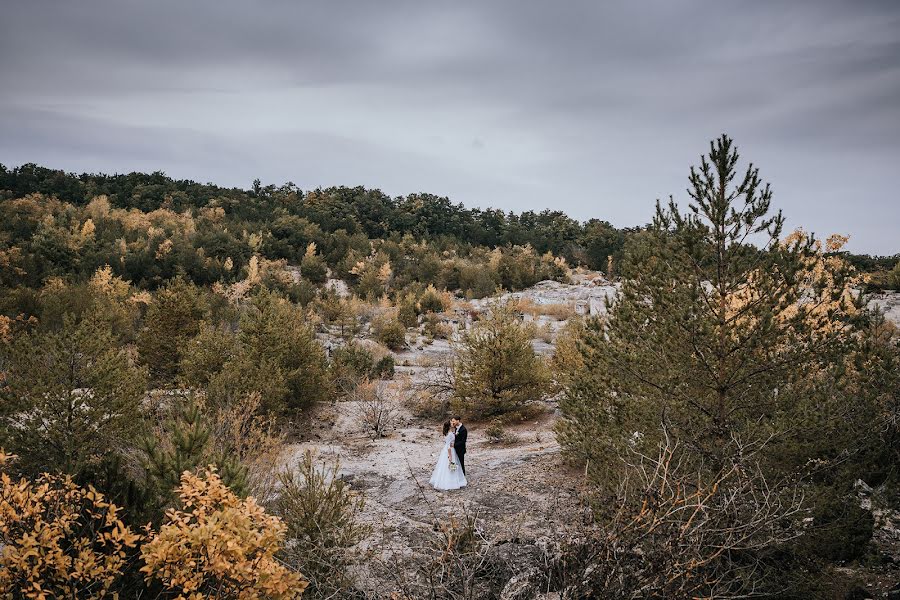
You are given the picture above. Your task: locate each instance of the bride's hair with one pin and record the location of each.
(446, 427)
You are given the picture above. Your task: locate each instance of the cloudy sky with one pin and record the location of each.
(596, 108)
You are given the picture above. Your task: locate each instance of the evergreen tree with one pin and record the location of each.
(722, 345)
(183, 444)
(173, 318)
(495, 369)
(72, 397)
(710, 333)
(276, 342)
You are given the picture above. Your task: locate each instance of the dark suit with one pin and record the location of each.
(459, 444)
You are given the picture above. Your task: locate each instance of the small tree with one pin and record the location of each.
(433, 301)
(313, 266)
(495, 368)
(206, 355)
(183, 443)
(173, 318)
(74, 397)
(322, 517)
(274, 339)
(388, 330)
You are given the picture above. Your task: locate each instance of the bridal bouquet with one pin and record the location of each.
(452, 467)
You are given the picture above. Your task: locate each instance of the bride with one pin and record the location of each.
(447, 473)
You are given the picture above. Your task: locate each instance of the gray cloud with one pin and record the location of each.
(596, 108)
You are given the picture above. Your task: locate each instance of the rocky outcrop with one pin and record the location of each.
(587, 296)
(888, 303)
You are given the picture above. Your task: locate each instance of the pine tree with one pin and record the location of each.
(275, 339)
(172, 319)
(495, 369)
(709, 333)
(183, 444)
(722, 345)
(72, 397)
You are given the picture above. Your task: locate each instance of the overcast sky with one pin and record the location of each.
(596, 108)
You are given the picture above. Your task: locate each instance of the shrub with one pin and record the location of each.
(435, 328)
(182, 442)
(567, 360)
(495, 369)
(218, 545)
(313, 266)
(375, 408)
(389, 331)
(383, 367)
(668, 532)
(350, 364)
(173, 318)
(433, 301)
(321, 514)
(408, 311)
(59, 540)
(276, 342)
(253, 439)
(497, 433)
(206, 354)
(73, 397)
(353, 362)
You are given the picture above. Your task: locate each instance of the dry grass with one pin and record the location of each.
(256, 440)
(559, 312)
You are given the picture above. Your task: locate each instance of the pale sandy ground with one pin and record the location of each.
(519, 491)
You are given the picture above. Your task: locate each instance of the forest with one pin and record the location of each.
(179, 360)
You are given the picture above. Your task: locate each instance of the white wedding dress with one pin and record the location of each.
(443, 477)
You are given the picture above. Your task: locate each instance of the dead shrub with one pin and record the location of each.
(256, 440)
(678, 534)
(375, 407)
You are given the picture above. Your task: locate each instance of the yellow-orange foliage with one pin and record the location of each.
(58, 540)
(105, 283)
(219, 546)
(825, 300)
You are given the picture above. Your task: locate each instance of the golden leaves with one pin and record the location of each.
(218, 541)
(58, 539)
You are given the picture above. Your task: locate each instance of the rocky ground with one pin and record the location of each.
(518, 492)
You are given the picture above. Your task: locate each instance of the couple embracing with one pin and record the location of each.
(450, 470)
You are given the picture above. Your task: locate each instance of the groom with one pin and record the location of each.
(459, 443)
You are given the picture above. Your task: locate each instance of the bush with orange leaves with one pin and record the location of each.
(219, 546)
(59, 540)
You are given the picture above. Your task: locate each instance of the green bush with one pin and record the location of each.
(321, 513)
(384, 368)
(432, 301)
(495, 368)
(390, 332)
(313, 268)
(173, 318)
(408, 311)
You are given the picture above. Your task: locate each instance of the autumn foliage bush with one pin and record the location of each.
(59, 540)
(219, 546)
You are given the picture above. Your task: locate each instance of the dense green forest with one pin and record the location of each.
(150, 228)
(208, 233)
